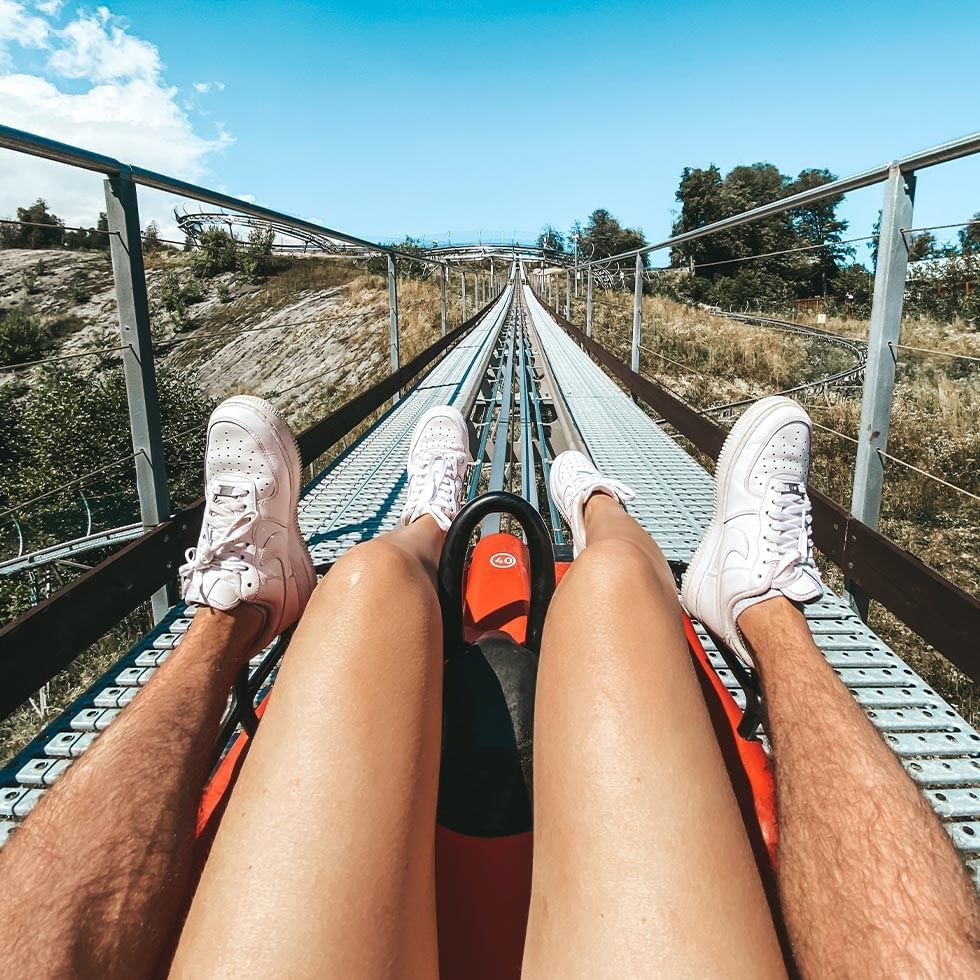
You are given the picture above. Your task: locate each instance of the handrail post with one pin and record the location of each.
(126, 248)
(884, 331)
(588, 305)
(462, 293)
(442, 298)
(393, 317)
(568, 295)
(637, 314)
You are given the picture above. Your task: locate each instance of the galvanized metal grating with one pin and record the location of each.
(359, 495)
(938, 748)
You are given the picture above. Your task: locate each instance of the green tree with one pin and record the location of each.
(603, 236)
(378, 264)
(551, 239)
(970, 235)
(151, 238)
(255, 260)
(70, 422)
(39, 229)
(217, 252)
(922, 246)
(802, 247)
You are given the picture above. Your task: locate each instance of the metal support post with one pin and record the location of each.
(637, 313)
(879, 372)
(393, 316)
(443, 272)
(462, 292)
(568, 295)
(588, 306)
(493, 281)
(125, 245)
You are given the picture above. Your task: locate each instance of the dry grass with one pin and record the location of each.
(935, 426)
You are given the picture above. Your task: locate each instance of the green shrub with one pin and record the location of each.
(223, 292)
(255, 261)
(22, 337)
(217, 252)
(194, 291)
(79, 290)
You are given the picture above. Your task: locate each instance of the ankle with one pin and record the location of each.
(772, 626)
(232, 634)
(600, 504)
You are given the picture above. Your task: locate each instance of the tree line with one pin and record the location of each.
(769, 264)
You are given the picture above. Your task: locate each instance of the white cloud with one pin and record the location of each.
(94, 48)
(17, 26)
(51, 8)
(202, 87)
(125, 110)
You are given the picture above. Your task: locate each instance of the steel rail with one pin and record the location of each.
(498, 464)
(529, 485)
(77, 546)
(487, 423)
(74, 156)
(953, 150)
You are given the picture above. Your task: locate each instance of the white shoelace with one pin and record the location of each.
(228, 519)
(436, 490)
(790, 530)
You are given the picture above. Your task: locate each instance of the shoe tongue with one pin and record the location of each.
(799, 583)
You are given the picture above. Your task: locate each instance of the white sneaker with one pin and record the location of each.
(574, 479)
(437, 461)
(250, 548)
(758, 544)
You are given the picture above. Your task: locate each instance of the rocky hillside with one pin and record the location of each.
(311, 330)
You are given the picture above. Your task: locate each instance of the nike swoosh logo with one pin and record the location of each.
(734, 542)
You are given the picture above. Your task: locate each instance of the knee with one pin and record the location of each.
(617, 568)
(381, 574)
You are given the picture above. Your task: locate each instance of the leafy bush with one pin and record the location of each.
(256, 261)
(217, 253)
(22, 337)
(378, 264)
(79, 290)
(70, 423)
(176, 295)
(223, 292)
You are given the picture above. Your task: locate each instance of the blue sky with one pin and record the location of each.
(386, 119)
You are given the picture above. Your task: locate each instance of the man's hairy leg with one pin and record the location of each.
(869, 882)
(97, 879)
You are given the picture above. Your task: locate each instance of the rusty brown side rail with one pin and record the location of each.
(943, 614)
(49, 636)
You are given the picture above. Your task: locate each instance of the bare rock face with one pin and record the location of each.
(301, 344)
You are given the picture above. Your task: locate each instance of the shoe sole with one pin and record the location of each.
(290, 452)
(706, 554)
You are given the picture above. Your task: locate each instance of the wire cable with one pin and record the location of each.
(939, 353)
(41, 224)
(786, 251)
(62, 357)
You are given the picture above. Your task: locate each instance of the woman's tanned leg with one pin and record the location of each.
(323, 863)
(641, 862)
